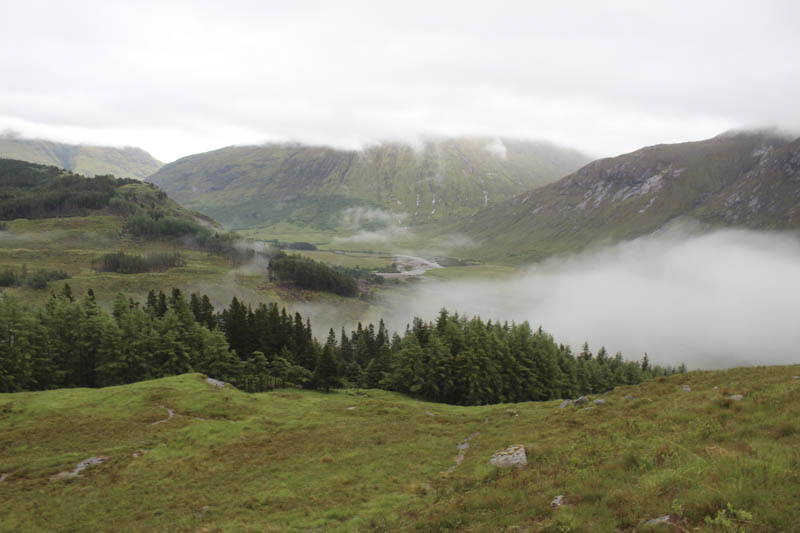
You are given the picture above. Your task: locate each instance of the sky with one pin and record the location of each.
(177, 78)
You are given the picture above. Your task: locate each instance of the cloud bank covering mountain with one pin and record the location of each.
(185, 77)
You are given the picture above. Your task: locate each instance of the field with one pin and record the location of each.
(70, 244)
(366, 460)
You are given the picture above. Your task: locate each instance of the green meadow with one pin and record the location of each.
(368, 460)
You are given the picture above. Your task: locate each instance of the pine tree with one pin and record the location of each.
(326, 374)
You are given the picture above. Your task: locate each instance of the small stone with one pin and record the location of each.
(795, 377)
(216, 382)
(3, 477)
(513, 456)
(736, 397)
(630, 397)
(512, 412)
(558, 501)
(687, 388)
(566, 403)
(583, 400)
(430, 414)
(463, 446)
(716, 388)
(599, 401)
(351, 408)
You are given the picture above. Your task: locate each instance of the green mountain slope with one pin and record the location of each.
(181, 454)
(87, 160)
(33, 191)
(258, 186)
(742, 179)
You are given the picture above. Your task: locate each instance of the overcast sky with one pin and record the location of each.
(605, 77)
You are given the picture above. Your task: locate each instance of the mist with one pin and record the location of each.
(715, 300)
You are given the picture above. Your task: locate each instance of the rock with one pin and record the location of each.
(599, 401)
(558, 501)
(687, 388)
(736, 397)
(463, 446)
(513, 456)
(216, 382)
(430, 414)
(716, 388)
(666, 519)
(351, 408)
(512, 412)
(566, 403)
(795, 377)
(630, 397)
(583, 400)
(3, 477)
(83, 465)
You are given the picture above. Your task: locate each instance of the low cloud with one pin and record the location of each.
(358, 217)
(371, 225)
(381, 236)
(497, 148)
(715, 300)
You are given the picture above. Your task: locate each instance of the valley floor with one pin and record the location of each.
(182, 454)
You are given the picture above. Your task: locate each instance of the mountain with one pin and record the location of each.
(257, 186)
(737, 179)
(126, 162)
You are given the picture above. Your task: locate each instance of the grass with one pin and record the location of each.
(472, 271)
(363, 260)
(373, 460)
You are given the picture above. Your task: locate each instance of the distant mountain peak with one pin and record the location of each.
(442, 178)
(742, 178)
(128, 161)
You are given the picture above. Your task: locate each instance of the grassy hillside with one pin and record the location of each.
(73, 221)
(127, 162)
(181, 454)
(745, 179)
(311, 186)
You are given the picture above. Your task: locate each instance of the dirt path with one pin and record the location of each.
(169, 417)
(462, 452)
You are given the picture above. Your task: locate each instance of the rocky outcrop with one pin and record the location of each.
(512, 457)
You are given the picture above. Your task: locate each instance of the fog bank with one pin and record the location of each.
(717, 300)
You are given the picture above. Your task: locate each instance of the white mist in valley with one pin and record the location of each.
(715, 300)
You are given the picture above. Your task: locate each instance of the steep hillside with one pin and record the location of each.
(745, 179)
(181, 454)
(257, 186)
(33, 191)
(126, 162)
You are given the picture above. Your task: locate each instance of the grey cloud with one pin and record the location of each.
(182, 77)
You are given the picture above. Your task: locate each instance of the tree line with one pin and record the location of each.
(124, 263)
(71, 342)
(306, 273)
